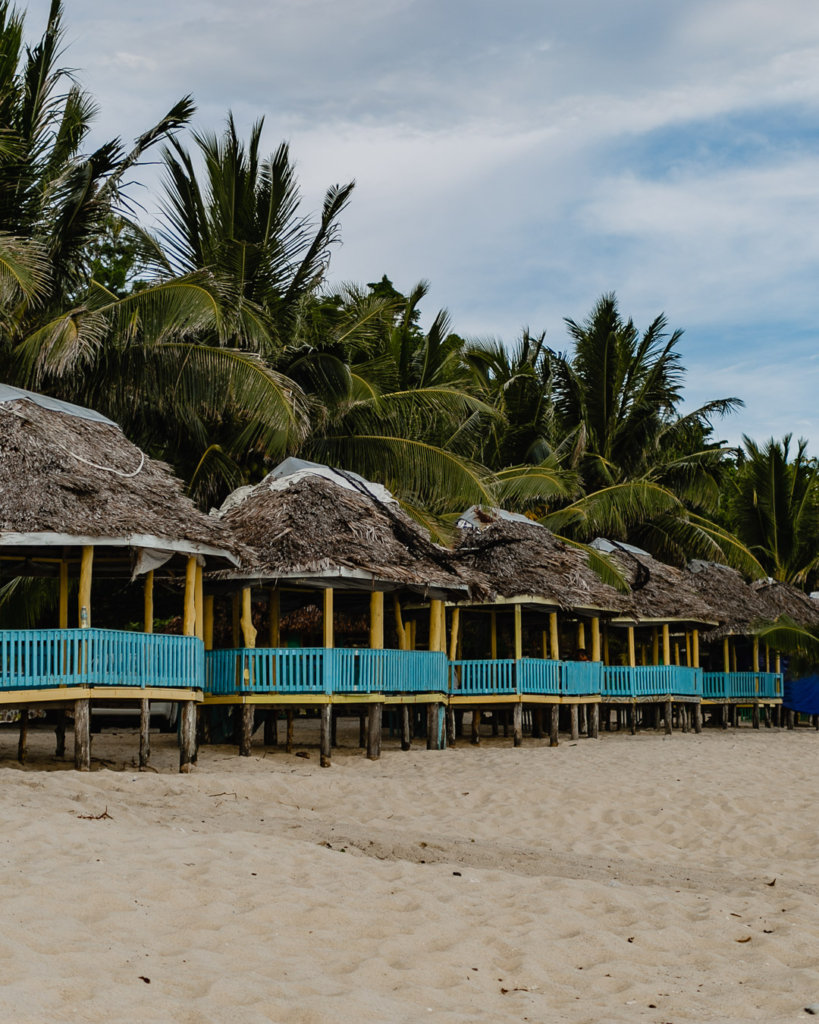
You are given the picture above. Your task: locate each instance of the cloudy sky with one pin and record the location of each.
(527, 156)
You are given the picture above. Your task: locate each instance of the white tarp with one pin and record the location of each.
(607, 547)
(474, 517)
(10, 394)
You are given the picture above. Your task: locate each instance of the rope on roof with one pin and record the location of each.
(108, 469)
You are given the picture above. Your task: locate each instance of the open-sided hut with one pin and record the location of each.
(78, 499)
(318, 533)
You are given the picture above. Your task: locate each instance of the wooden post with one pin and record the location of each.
(554, 721)
(581, 635)
(403, 639)
(22, 739)
(554, 637)
(518, 632)
(148, 601)
(517, 724)
(544, 640)
(63, 619)
(189, 613)
(778, 667)
(493, 634)
(376, 620)
(632, 653)
(655, 646)
(435, 625)
(454, 634)
(666, 644)
(187, 736)
(374, 731)
(246, 730)
(288, 743)
(246, 620)
(575, 724)
(406, 731)
(767, 658)
(596, 654)
(698, 717)
(594, 721)
(677, 653)
(688, 655)
(274, 625)
(476, 726)
(606, 653)
(325, 739)
(755, 655)
(200, 603)
(667, 709)
(755, 715)
(726, 654)
(208, 627)
(734, 657)
(82, 735)
(84, 597)
(695, 648)
(791, 719)
(144, 733)
(59, 732)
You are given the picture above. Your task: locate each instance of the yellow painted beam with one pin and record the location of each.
(148, 601)
(435, 625)
(666, 644)
(581, 635)
(778, 665)
(726, 654)
(403, 639)
(246, 620)
(554, 637)
(84, 597)
(695, 648)
(376, 620)
(327, 618)
(189, 614)
(596, 654)
(518, 632)
(208, 627)
(275, 617)
(199, 609)
(756, 654)
(767, 658)
(63, 613)
(632, 654)
(544, 639)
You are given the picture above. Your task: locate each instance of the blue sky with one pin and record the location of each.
(527, 157)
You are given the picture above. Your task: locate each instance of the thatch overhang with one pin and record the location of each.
(660, 593)
(312, 527)
(526, 564)
(735, 601)
(69, 478)
(783, 599)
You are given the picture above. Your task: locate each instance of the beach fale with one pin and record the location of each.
(79, 501)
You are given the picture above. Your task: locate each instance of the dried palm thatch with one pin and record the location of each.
(69, 477)
(784, 600)
(521, 558)
(312, 530)
(737, 603)
(659, 592)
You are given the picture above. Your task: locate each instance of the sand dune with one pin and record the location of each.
(624, 879)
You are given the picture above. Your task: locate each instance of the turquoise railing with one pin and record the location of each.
(643, 681)
(742, 685)
(527, 676)
(314, 670)
(43, 658)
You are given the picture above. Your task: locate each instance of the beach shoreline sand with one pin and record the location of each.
(623, 879)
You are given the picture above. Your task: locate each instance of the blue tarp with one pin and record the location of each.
(803, 695)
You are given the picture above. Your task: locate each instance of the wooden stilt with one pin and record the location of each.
(697, 716)
(517, 724)
(374, 731)
(667, 715)
(632, 719)
(450, 727)
(289, 741)
(325, 736)
(766, 711)
(246, 735)
(554, 636)
(82, 735)
(583, 724)
(755, 715)
(554, 722)
(187, 736)
(84, 595)
(594, 721)
(476, 726)
(22, 739)
(406, 731)
(575, 725)
(791, 719)
(144, 733)
(189, 612)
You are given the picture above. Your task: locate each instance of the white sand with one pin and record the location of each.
(606, 880)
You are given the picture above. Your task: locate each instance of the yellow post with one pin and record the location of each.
(581, 635)
(63, 594)
(189, 615)
(632, 654)
(767, 658)
(778, 667)
(643, 654)
(246, 621)
(726, 654)
(84, 599)
(435, 625)
(756, 654)
(148, 601)
(695, 648)
(207, 631)
(518, 632)
(595, 632)
(327, 618)
(200, 603)
(493, 634)
(734, 657)
(454, 634)
(275, 617)
(554, 637)
(545, 644)
(443, 628)
(412, 630)
(677, 653)
(606, 653)
(666, 644)
(655, 645)
(403, 639)
(376, 620)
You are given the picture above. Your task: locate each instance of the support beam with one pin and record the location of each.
(596, 654)
(666, 644)
(726, 654)
(144, 733)
(574, 718)
(554, 722)
(248, 712)
(632, 653)
(454, 634)
(187, 736)
(581, 635)
(84, 596)
(518, 632)
(554, 637)
(199, 609)
(667, 709)
(189, 613)
(328, 630)
(246, 620)
(695, 650)
(697, 716)
(148, 601)
(208, 628)
(517, 724)
(374, 731)
(82, 735)
(403, 639)
(594, 721)
(406, 731)
(377, 620)
(326, 735)
(435, 625)
(755, 655)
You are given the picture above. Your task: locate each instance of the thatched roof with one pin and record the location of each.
(69, 477)
(778, 599)
(659, 592)
(521, 558)
(736, 603)
(314, 526)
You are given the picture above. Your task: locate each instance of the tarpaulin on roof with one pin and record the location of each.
(802, 695)
(10, 394)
